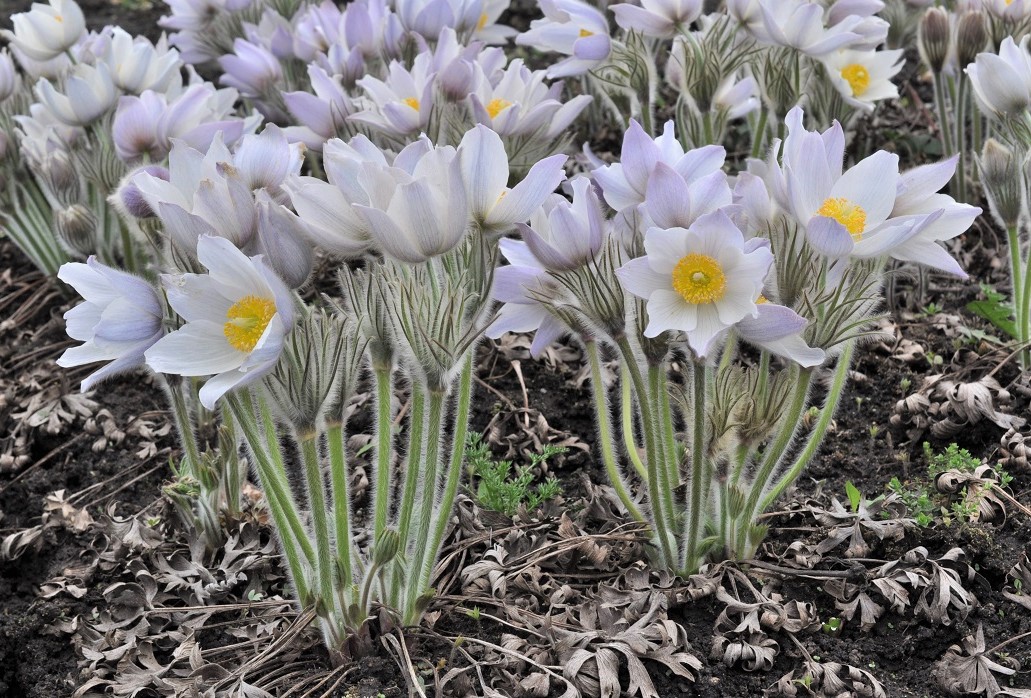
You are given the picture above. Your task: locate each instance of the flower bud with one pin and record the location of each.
(129, 199)
(971, 37)
(77, 226)
(281, 237)
(934, 37)
(456, 80)
(9, 79)
(1001, 176)
(60, 175)
(3, 145)
(386, 548)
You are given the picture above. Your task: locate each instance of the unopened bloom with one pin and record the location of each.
(625, 183)
(699, 281)
(89, 92)
(485, 174)
(118, 320)
(137, 65)
(572, 28)
(46, 32)
(9, 80)
(564, 236)
(658, 18)
(251, 69)
(1002, 83)
(864, 77)
(237, 318)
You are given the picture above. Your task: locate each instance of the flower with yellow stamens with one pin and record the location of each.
(864, 77)
(236, 319)
(699, 280)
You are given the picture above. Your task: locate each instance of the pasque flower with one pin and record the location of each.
(864, 77)
(1002, 83)
(237, 317)
(485, 174)
(137, 65)
(573, 28)
(118, 320)
(799, 24)
(46, 32)
(657, 18)
(700, 280)
(564, 236)
(88, 93)
(9, 80)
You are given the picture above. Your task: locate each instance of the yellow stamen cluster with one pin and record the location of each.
(412, 102)
(699, 279)
(857, 77)
(584, 33)
(496, 106)
(846, 212)
(246, 321)
(482, 22)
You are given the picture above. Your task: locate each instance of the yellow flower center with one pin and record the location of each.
(761, 299)
(412, 102)
(246, 321)
(584, 33)
(482, 23)
(846, 212)
(857, 77)
(496, 106)
(699, 279)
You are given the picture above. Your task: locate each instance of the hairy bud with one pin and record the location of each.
(77, 226)
(934, 37)
(971, 37)
(1002, 178)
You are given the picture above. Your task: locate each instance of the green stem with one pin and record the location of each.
(759, 135)
(320, 520)
(384, 393)
(707, 127)
(416, 426)
(701, 474)
(627, 408)
(454, 473)
(657, 376)
(278, 506)
(830, 406)
(601, 411)
(661, 516)
(943, 119)
(960, 180)
(668, 435)
(336, 438)
(1025, 313)
(429, 456)
(184, 424)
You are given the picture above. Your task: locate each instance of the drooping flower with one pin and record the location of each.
(237, 317)
(46, 32)
(700, 280)
(118, 320)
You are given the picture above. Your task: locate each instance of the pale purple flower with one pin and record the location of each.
(253, 70)
(322, 115)
(237, 318)
(119, 319)
(89, 93)
(799, 24)
(400, 105)
(661, 19)
(778, 330)
(10, 81)
(572, 28)
(625, 184)
(565, 235)
(138, 65)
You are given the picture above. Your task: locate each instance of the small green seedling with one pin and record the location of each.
(501, 489)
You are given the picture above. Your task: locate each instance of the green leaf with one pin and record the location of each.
(854, 495)
(995, 309)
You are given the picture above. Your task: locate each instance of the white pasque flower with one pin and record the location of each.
(237, 318)
(47, 32)
(89, 92)
(799, 24)
(864, 77)
(1002, 83)
(118, 320)
(661, 19)
(573, 28)
(700, 281)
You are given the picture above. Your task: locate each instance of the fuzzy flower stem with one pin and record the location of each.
(960, 181)
(454, 473)
(1025, 312)
(701, 470)
(336, 437)
(668, 437)
(830, 406)
(627, 408)
(662, 517)
(601, 410)
(279, 506)
(657, 396)
(1013, 237)
(429, 456)
(759, 134)
(184, 423)
(943, 114)
(308, 443)
(404, 512)
(383, 449)
(231, 481)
